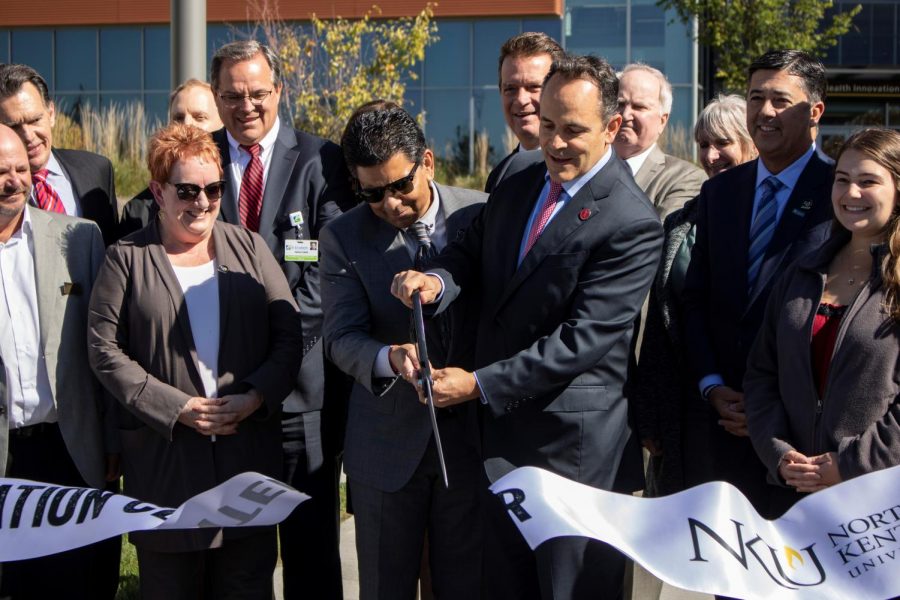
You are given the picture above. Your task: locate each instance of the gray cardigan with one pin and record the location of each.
(859, 416)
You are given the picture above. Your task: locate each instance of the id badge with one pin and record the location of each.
(301, 250)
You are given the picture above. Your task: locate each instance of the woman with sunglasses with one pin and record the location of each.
(192, 328)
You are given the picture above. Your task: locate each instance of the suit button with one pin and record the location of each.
(2, 410)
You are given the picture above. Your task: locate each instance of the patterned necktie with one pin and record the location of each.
(424, 248)
(425, 251)
(250, 199)
(544, 217)
(762, 230)
(46, 196)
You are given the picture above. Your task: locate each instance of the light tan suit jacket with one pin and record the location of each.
(68, 253)
(668, 181)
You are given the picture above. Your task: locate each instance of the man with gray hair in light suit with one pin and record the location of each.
(645, 102)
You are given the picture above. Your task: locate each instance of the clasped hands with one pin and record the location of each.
(219, 416)
(450, 385)
(809, 473)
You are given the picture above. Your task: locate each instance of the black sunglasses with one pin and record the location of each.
(188, 192)
(404, 185)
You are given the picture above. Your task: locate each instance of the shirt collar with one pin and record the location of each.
(788, 176)
(53, 166)
(572, 187)
(265, 143)
(637, 161)
(25, 229)
(430, 215)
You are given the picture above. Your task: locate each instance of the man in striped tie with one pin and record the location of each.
(72, 182)
(286, 185)
(755, 219)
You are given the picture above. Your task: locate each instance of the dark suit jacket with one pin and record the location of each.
(499, 172)
(720, 320)
(142, 350)
(306, 174)
(91, 176)
(554, 334)
(387, 430)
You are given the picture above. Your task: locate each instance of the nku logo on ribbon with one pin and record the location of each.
(832, 544)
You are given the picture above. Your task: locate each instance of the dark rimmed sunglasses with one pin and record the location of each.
(404, 185)
(188, 192)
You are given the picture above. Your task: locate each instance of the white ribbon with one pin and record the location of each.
(840, 543)
(37, 519)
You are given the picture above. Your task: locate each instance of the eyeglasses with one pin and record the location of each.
(189, 192)
(404, 185)
(235, 100)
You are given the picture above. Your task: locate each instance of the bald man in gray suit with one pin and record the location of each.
(55, 424)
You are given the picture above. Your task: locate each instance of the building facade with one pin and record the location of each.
(104, 52)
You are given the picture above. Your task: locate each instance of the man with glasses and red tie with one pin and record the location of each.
(391, 456)
(286, 185)
(72, 182)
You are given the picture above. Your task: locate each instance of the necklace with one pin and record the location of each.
(853, 278)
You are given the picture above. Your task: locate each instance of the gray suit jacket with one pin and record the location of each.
(68, 253)
(387, 431)
(668, 181)
(142, 350)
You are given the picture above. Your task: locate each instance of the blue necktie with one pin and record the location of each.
(762, 230)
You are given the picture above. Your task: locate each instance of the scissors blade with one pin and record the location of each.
(425, 377)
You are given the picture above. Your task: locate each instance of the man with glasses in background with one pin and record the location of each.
(391, 456)
(286, 185)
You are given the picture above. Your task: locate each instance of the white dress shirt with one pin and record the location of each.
(240, 158)
(637, 161)
(29, 399)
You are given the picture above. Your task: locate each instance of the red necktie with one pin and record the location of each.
(250, 199)
(46, 196)
(546, 211)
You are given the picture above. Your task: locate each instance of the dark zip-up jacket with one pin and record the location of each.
(859, 416)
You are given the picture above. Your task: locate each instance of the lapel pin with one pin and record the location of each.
(585, 214)
(807, 204)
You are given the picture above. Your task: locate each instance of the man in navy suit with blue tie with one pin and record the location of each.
(754, 220)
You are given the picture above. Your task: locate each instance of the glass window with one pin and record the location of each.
(157, 107)
(71, 104)
(120, 58)
(648, 26)
(157, 58)
(76, 59)
(447, 122)
(883, 31)
(34, 47)
(4, 46)
(120, 100)
(856, 43)
(488, 37)
(447, 62)
(489, 118)
(551, 26)
(598, 30)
